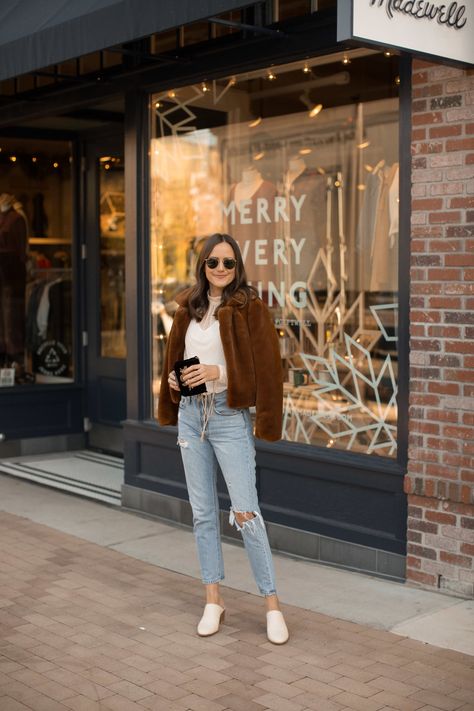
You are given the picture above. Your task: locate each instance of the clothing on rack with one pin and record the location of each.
(13, 249)
(377, 231)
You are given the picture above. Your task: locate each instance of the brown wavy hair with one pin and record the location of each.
(198, 301)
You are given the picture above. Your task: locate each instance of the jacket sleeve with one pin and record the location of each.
(268, 372)
(167, 405)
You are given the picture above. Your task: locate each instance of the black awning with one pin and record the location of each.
(36, 34)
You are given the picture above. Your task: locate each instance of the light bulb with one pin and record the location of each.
(271, 76)
(34, 159)
(55, 165)
(364, 144)
(345, 59)
(306, 69)
(259, 156)
(172, 94)
(315, 110)
(13, 159)
(204, 87)
(256, 122)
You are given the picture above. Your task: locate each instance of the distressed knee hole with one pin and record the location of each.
(245, 520)
(183, 442)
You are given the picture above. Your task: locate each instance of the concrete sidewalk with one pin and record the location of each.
(83, 626)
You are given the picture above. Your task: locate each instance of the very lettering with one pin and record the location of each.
(451, 14)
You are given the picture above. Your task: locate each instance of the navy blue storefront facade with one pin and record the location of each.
(257, 121)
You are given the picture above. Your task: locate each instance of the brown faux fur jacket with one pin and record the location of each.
(252, 354)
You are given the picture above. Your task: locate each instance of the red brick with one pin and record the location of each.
(464, 202)
(427, 118)
(413, 562)
(458, 347)
(459, 260)
(444, 302)
(419, 78)
(423, 578)
(446, 131)
(418, 134)
(443, 388)
(441, 517)
(444, 217)
(422, 551)
(465, 144)
(467, 549)
(445, 275)
(453, 559)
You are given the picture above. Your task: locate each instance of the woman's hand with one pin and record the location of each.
(198, 374)
(172, 381)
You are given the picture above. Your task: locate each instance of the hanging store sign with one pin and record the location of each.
(432, 28)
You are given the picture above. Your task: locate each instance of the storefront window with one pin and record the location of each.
(36, 344)
(299, 163)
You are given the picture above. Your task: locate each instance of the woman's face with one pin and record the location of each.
(220, 277)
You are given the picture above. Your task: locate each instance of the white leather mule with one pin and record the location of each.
(277, 631)
(210, 621)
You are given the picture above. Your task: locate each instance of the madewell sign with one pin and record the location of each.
(437, 28)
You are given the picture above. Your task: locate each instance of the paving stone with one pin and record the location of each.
(71, 638)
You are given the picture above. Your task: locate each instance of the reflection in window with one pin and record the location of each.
(306, 181)
(112, 257)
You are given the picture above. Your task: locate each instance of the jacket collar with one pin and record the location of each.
(237, 299)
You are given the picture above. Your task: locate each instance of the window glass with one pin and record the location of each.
(112, 257)
(299, 163)
(36, 342)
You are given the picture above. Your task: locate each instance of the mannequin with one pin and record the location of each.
(308, 187)
(253, 229)
(13, 252)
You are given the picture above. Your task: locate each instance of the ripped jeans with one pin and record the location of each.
(228, 442)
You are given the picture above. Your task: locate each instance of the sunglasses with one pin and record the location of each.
(228, 262)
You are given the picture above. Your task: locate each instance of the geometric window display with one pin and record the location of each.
(306, 180)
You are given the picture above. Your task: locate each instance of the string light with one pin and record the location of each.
(107, 166)
(397, 81)
(55, 165)
(158, 104)
(305, 151)
(172, 94)
(368, 168)
(306, 69)
(259, 156)
(387, 53)
(204, 87)
(364, 144)
(256, 122)
(13, 159)
(34, 159)
(345, 59)
(270, 75)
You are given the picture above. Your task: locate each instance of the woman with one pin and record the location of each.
(223, 322)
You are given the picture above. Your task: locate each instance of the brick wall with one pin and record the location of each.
(440, 478)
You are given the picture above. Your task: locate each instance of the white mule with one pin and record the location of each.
(210, 621)
(277, 631)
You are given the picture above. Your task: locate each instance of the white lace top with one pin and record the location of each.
(203, 339)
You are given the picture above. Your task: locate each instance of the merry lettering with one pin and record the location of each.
(451, 14)
(266, 210)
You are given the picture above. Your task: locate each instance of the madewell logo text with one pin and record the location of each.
(451, 14)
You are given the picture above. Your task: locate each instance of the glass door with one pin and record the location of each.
(105, 294)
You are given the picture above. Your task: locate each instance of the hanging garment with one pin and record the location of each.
(251, 226)
(384, 256)
(13, 248)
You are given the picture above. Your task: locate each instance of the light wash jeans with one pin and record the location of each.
(229, 442)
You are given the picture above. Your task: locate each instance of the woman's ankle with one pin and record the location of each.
(272, 602)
